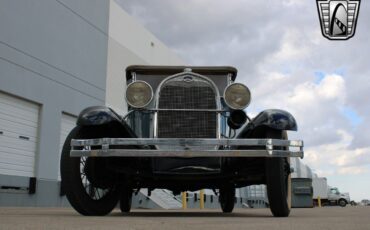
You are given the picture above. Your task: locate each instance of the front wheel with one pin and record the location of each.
(278, 179)
(342, 203)
(227, 199)
(126, 200)
(86, 192)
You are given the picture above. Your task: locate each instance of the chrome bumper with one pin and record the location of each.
(107, 147)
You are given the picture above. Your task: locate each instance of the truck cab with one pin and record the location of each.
(338, 198)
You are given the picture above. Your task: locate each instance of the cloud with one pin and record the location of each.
(353, 170)
(277, 50)
(316, 106)
(338, 158)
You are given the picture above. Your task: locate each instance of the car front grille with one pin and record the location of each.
(189, 94)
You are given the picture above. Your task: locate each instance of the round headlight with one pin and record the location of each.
(139, 94)
(237, 96)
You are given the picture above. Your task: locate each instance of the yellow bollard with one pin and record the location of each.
(184, 203)
(201, 194)
(319, 201)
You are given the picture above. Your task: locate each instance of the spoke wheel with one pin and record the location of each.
(83, 195)
(94, 192)
(227, 199)
(278, 179)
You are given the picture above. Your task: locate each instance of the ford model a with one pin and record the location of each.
(186, 129)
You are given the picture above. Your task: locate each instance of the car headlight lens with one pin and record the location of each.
(237, 96)
(139, 94)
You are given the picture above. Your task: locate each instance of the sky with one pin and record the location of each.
(281, 55)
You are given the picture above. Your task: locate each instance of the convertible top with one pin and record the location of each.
(170, 70)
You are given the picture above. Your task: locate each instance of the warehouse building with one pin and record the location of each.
(56, 58)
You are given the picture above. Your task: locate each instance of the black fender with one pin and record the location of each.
(104, 118)
(272, 118)
(97, 115)
(256, 128)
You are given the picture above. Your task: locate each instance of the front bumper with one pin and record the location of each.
(182, 147)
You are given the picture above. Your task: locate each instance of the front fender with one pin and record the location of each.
(97, 115)
(272, 118)
(105, 120)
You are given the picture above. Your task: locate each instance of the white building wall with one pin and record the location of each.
(129, 43)
(53, 54)
(301, 170)
(64, 56)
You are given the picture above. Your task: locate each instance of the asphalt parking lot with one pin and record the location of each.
(301, 219)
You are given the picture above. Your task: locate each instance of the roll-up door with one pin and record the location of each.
(19, 122)
(67, 124)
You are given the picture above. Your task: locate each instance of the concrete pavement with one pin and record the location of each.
(335, 218)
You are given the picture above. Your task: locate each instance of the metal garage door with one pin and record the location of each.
(67, 124)
(18, 136)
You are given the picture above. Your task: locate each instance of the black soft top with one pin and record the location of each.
(170, 70)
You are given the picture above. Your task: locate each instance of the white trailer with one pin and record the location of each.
(328, 195)
(320, 188)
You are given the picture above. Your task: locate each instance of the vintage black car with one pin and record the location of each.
(186, 129)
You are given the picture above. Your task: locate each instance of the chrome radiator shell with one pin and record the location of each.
(186, 105)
